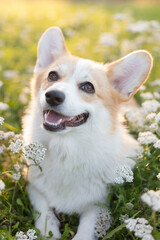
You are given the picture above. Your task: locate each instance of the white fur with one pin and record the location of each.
(80, 161)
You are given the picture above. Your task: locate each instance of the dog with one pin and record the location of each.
(74, 114)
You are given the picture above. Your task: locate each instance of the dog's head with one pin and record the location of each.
(73, 92)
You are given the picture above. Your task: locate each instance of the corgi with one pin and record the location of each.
(75, 114)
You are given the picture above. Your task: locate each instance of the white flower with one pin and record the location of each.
(158, 176)
(138, 27)
(17, 167)
(157, 95)
(16, 176)
(142, 88)
(6, 135)
(123, 217)
(103, 222)
(10, 74)
(36, 152)
(31, 234)
(153, 127)
(107, 39)
(146, 138)
(157, 117)
(146, 95)
(156, 82)
(123, 173)
(129, 205)
(2, 186)
(119, 16)
(21, 236)
(140, 227)
(16, 146)
(3, 106)
(152, 198)
(1, 120)
(2, 148)
(1, 83)
(157, 144)
(151, 105)
(150, 116)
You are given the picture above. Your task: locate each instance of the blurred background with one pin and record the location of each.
(100, 30)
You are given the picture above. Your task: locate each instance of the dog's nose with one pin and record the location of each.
(55, 98)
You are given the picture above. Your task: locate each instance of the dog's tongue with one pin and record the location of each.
(54, 117)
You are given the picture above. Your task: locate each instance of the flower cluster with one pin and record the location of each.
(152, 198)
(30, 235)
(16, 175)
(3, 106)
(140, 227)
(147, 138)
(36, 152)
(2, 186)
(103, 222)
(16, 146)
(1, 120)
(124, 174)
(6, 135)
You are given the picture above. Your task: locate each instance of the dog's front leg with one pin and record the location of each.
(45, 218)
(87, 224)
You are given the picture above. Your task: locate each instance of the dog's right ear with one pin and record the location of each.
(51, 45)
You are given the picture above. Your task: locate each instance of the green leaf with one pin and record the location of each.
(66, 232)
(117, 229)
(16, 225)
(19, 202)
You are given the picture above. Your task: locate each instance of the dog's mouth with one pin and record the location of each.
(54, 121)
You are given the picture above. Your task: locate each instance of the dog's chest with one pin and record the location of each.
(70, 181)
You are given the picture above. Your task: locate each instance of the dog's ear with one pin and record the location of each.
(51, 45)
(128, 73)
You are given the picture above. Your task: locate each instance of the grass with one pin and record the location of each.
(21, 25)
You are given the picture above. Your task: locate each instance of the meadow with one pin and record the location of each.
(102, 32)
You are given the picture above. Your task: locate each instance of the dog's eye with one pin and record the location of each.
(53, 76)
(87, 87)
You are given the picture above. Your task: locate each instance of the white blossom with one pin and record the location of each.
(153, 127)
(103, 222)
(138, 27)
(2, 186)
(1, 120)
(17, 167)
(129, 205)
(1, 83)
(3, 106)
(16, 146)
(146, 95)
(147, 138)
(36, 152)
(158, 176)
(123, 217)
(6, 135)
(152, 198)
(151, 105)
(150, 116)
(119, 16)
(140, 227)
(156, 82)
(157, 117)
(31, 234)
(2, 148)
(16, 176)
(123, 173)
(10, 74)
(107, 39)
(157, 144)
(156, 95)
(21, 236)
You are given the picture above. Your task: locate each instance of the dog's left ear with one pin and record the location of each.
(128, 73)
(51, 45)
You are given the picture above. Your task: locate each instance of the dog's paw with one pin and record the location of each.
(83, 237)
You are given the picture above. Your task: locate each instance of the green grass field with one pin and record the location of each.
(21, 25)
